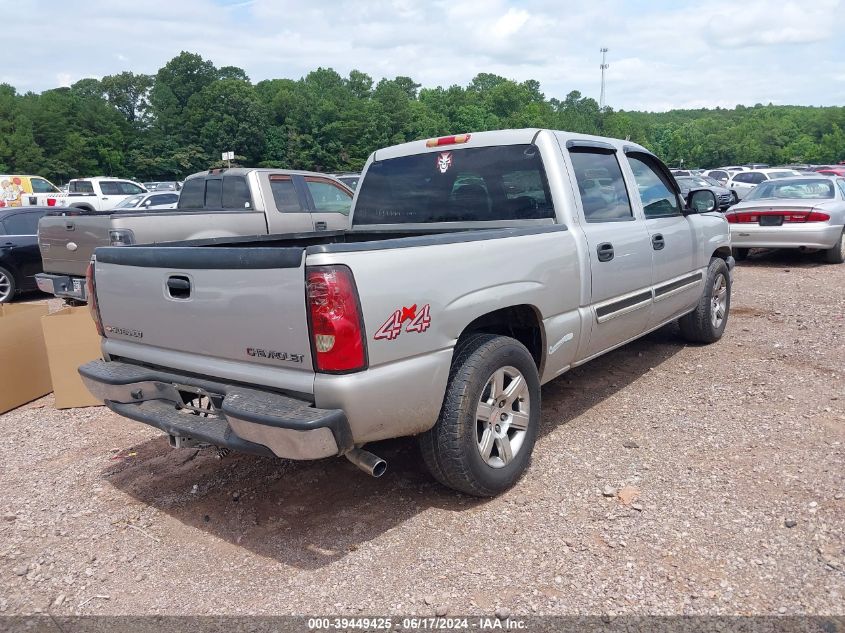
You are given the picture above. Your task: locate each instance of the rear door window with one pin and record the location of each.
(284, 194)
(192, 195)
(167, 198)
(604, 196)
(328, 196)
(111, 189)
(22, 224)
(80, 186)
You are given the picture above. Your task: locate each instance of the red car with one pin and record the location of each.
(835, 170)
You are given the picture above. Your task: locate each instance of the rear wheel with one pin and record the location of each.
(835, 255)
(7, 286)
(707, 322)
(740, 254)
(482, 441)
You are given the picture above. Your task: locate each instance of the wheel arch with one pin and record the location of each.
(521, 322)
(82, 205)
(723, 252)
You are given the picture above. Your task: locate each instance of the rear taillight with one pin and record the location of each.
(51, 202)
(790, 216)
(91, 292)
(337, 328)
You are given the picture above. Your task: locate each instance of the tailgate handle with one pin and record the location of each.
(179, 287)
(69, 226)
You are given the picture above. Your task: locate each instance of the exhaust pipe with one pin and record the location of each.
(371, 464)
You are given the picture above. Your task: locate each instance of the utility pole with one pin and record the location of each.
(604, 67)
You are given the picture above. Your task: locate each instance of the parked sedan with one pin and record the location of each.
(150, 201)
(724, 196)
(20, 259)
(807, 213)
(744, 181)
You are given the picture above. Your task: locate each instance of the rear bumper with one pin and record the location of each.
(243, 419)
(815, 235)
(64, 286)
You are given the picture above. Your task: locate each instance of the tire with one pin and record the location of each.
(8, 287)
(707, 322)
(740, 254)
(734, 198)
(835, 255)
(452, 448)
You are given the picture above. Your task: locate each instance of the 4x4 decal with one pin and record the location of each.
(392, 328)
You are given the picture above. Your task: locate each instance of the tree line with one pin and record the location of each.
(178, 121)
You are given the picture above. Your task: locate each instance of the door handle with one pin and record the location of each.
(105, 198)
(179, 287)
(657, 242)
(321, 226)
(69, 226)
(605, 252)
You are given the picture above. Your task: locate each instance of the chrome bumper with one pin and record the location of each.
(63, 286)
(240, 418)
(821, 236)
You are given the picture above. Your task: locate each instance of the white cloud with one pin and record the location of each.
(661, 55)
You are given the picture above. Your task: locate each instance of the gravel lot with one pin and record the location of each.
(668, 479)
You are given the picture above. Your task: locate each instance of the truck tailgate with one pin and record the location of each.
(245, 305)
(67, 242)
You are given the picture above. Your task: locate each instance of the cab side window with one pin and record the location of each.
(39, 185)
(604, 197)
(328, 197)
(658, 196)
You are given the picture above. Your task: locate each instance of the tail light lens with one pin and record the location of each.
(790, 216)
(91, 292)
(121, 237)
(337, 328)
(51, 202)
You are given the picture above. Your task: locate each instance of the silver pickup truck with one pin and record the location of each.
(214, 203)
(477, 268)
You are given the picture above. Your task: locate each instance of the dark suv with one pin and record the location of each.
(20, 259)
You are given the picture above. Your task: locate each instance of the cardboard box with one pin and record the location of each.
(24, 372)
(72, 340)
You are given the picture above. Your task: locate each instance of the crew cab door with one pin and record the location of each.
(329, 202)
(287, 203)
(676, 285)
(619, 247)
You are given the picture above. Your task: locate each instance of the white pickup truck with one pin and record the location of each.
(99, 194)
(477, 268)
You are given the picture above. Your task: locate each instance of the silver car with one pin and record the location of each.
(150, 201)
(804, 212)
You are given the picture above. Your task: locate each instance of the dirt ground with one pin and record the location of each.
(668, 479)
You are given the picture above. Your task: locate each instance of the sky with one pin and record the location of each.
(662, 54)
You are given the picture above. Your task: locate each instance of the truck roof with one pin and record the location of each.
(522, 136)
(243, 171)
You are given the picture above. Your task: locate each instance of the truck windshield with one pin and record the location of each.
(483, 184)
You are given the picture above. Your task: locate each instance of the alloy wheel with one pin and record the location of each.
(502, 417)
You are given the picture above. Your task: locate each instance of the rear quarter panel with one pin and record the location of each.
(459, 282)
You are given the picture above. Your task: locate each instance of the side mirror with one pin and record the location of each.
(701, 201)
